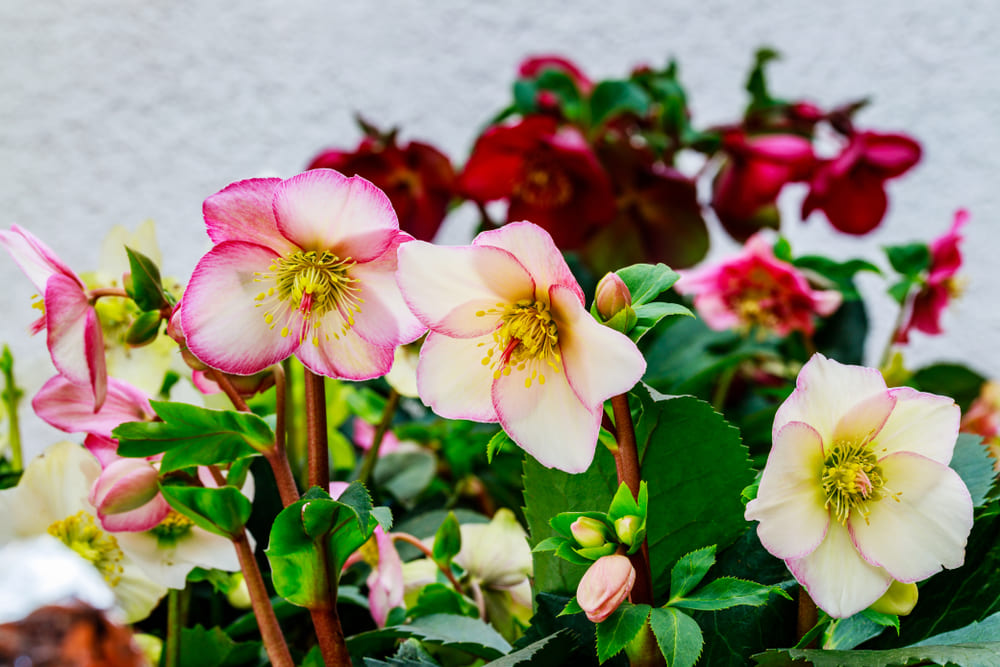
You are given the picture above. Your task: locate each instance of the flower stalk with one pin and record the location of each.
(11, 397)
(270, 631)
(318, 452)
(371, 456)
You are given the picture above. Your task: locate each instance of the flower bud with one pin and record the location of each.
(612, 296)
(588, 532)
(626, 528)
(604, 586)
(239, 594)
(900, 599)
(144, 330)
(124, 485)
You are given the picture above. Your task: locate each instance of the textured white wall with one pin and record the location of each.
(114, 111)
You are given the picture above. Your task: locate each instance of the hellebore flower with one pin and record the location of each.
(850, 188)
(533, 66)
(604, 586)
(857, 491)
(745, 191)
(755, 288)
(418, 178)
(929, 303)
(302, 266)
(52, 498)
(70, 407)
(511, 342)
(548, 173)
(73, 331)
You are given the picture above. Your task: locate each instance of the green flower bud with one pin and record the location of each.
(900, 599)
(589, 532)
(626, 528)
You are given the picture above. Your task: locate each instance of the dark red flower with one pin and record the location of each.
(746, 188)
(417, 177)
(850, 189)
(532, 67)
(548, 173)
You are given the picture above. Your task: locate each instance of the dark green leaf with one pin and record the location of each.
(610, 98)
(846, 633)
(727, 592)
(617, 630)
(222, 511)
(549, 650)
(986, 630)
(953, 380)
(438, 598)
(645, 282)
(960, 655)
(457, 632)
(405, 474)
(411, 653)
(842, 335)
(525, 96)
(689, 570)
(973, 463)
(447, 541)
(757, 81)
(498, 442)
(910, 259)
(213, 648)
(677, 635)
(146, 287)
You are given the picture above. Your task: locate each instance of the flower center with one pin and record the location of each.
(544, 184)
(314, 284)
(174, 526)
(852, 479)
(525, 335)
(81, 534)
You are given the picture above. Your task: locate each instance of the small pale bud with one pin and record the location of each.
(239, 594)
(588, 532)
(124, 485)
(900, 599)
(612, 296)
(626, 527)
(604, 586)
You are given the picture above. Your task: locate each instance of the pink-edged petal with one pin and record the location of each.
(790, 499)
(221, 321)
(385, 319)
(322, 209)
(864, 419)
(446, 287)
(599, 362)
(837, 578)
(243, 211)
(35, 258)
(925, 424)
(208, 550)
(385, 583)
(547, 420)
(923, 527)
(70, 407)
(124, 485)
(824, 391)
(137, 520)
(346, 355)
(74, 336)
(453, 381)
(534, 248)
(105, 450)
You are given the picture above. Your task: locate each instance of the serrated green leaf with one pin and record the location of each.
(146, 287)
(910, 259)
(447, 541)
(960, 655)
(616, 631)
(546, 651)
(496, 443)
(223, 511)
(973, 463)
(986, 630)
(572, 607)
(646, 282)
(611, 98)
(436, 598)
(677, 635)
(458, 632)
(689, 570)
(727, 592)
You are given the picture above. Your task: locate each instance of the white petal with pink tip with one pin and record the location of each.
(244, 211)
(453, 381)
(922, 423)
(535, 249)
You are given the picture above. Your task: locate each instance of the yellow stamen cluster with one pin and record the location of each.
(525, 335)
(173, 526)
(81, 534)
(852, 479)
(315, 284)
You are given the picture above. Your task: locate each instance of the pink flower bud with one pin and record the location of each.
(604, 586)
(612, 296)
(124, 485)
(588, 532)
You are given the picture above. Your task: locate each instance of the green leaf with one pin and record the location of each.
(405, 474)
(562, 85)
(546, 651)
(456, 632)
(986, 630)
(910, 259)
(447, 541)
(649, 315)
(617, 630)
(645, 282)
(973, 463)
(611, 98)
(192, 436)
(438, 598)
(727, 592)
(690, 570)
(960, 655)
(900, 290)
(756, 83)
(840, 273)
(846, 633)
(146, 288)
(496, 443)
(213, 648)
(953, 380)
(677, 635)
(572, 607)
(223, 511)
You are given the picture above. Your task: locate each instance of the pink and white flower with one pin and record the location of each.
(511, 342)
(857, 491)
(755, 288)
(73, 332)
(300, 266)
(70, 407)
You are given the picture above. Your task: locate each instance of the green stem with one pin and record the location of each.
(12, 398)
(318, 450)
(270, 631)
(722, 388)
(897, 325)
(177, 604)
(371, 456)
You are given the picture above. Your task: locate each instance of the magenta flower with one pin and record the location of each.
(303, 266)
(755, 288)
(929, 303)
(857, 491)
(73, 331)
(511, 342)
(70, 407)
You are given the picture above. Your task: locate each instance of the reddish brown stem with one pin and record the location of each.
(410, 539)
(318, 452)
(270, 631)
(99, 292)
(227, 387)
(807, 617)
(330, 636)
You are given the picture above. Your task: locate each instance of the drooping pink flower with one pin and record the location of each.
(755, 288)
(70, 407)
(303, 266)
(511, 342)
(857, 491)
(73, 332)
(850, 188)
(604, 586)
(928, 305)
(548, 173)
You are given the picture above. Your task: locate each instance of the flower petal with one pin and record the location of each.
(599, 362)
(74, 336)
(922, 423)
(864, 419)
(70, 407)
(385, 319)
(322, 209)
(345, 355)
(547, 420)
(837, 578)
(534, 248)
(243, 211)
(446, 287)
(35, 258)
(923, 527)
(453, 381)
(790, 500)
(138, 520)
(221, 321)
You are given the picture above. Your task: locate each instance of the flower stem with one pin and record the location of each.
(99, 292)
(806, 618)
(627, 464)
(11, 398)
(411, 540)
(326, 620)
(177, 602)
(722, 388)
(371, 456)
(318, 451)
(270, 631)
(897, 326)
